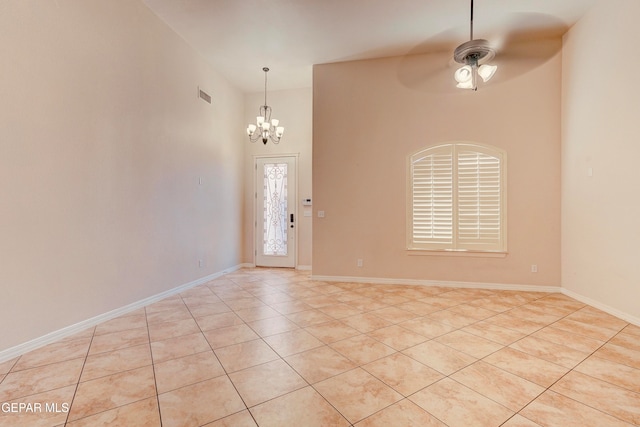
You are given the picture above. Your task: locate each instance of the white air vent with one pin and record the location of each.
(204, 96)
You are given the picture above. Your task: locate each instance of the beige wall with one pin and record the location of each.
(600, 110)
(367, 120)
(103, 142)
(293, 109)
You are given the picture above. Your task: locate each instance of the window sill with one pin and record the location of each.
(456, 253)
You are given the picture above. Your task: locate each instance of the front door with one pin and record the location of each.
(275, 211)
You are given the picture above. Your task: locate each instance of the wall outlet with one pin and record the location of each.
(534, 268)
(320, 214)
(359, 263)
(200, 263)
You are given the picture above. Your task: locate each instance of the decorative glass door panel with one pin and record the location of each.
(274, 214)
(275, 211)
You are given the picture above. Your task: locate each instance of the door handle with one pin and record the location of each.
(291, 220)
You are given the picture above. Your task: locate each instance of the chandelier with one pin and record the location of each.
(471, 54)
(265, 128)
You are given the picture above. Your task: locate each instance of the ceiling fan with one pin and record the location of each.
(475, 56)
(520, 42)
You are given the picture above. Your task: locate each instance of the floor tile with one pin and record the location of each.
(418, 307)
(272, 326)
(362, 349)
(577, 342)
(292, 342)
(187, 370)
(109, 363)
(612, 372)
(384, 362)
(244, 303)
(622, 355)
(229, 335)
(203, 310)
(109, 392)
(38, 380)
(357, 394)
(394, 314)
(366, 322)
(257, 313)
(626, 340)
(534, 369)
(586, 330)
(403, 413)
(440, 357)
(510, 322)
(402, 373)
(397, 337)
(290, 307)
(555, 410)
(500, 386)
(547, 350)
(470, 344)
(593, 316)
(141, 413)
(478, 313)
(219, 320)
(494, 333)
(172, 315)
(598, 394)
(452, 318)
(244, 355)
(427, 327)
(178, 328)
(632, 329)
(339, 311)
(52, 353)
(122, 323)
(457, 405)
(46, 409)
(117, 340)
(332, 331)
(267, 381)
(519, 421)
(200, 403)
(5, 367)
(308, 318)
(319, 364)
(304, 407)
(239, 419)
(178, 347)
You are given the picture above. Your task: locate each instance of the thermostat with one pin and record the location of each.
(306, 202)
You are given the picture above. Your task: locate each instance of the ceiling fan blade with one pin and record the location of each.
(429, 65)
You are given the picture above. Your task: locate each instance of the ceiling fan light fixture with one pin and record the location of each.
(486, 71)
(464, 74)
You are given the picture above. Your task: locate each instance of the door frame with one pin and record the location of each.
(295, 157)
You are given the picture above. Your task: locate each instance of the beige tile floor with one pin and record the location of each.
(270, 347)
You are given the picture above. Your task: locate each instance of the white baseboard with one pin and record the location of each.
(51, 337)
(304, 267)
(446, 284)
(600, 306)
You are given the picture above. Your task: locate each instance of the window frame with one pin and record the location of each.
(498, 246)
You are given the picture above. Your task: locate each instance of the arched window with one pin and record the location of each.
(457, 198)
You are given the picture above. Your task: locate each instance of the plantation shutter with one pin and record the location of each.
(457, 198)
(432, 191)
(479, 199)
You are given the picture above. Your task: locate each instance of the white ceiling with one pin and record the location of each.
(239, 37)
